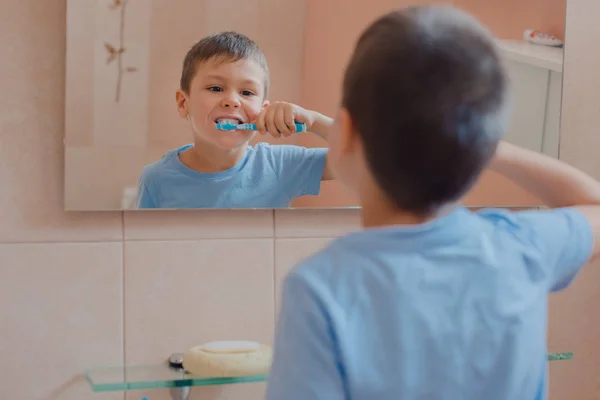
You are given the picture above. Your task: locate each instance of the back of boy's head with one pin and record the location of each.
(223, 47)
(427, 94)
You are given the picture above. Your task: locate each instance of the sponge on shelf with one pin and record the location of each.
(220, 359)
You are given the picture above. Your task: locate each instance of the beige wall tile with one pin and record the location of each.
(573, 327)
(61, 312)
(198, 224)
(308, 223)
(183, 293)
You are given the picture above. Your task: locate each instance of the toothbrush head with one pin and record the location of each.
(227, 126)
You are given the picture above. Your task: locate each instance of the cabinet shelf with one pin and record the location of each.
(162, 376)
(546, 57)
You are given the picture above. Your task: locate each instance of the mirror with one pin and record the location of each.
(123, 68)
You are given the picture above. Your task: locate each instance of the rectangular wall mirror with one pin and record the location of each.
(123, 70)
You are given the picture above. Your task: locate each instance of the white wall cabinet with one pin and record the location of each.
(536, 74)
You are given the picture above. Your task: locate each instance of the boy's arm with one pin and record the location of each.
(280, 116)
(554, 182)
(144, 197)
(320, 127)
(305, 364)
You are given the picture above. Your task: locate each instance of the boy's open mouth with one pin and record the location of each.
(229, 121)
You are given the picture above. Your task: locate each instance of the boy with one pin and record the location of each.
(225, 78)
(430, 300)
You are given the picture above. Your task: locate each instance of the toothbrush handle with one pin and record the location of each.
(300, 127)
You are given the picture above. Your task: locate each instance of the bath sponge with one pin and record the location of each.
(226, 359)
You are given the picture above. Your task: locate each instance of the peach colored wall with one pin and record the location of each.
(509, 18)
(84, 289)
(108, 143)
(328, 47)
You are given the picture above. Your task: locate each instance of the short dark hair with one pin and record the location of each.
(427, 93)
(228, 47)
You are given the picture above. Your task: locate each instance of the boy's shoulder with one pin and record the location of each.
(507, 228)
(531, 220)
(330, 265)
(538, 247)
(158, 168)
(324, 258)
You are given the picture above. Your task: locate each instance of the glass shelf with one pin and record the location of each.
(560, 356)
(162, 376)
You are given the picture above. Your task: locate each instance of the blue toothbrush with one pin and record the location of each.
(252, 127)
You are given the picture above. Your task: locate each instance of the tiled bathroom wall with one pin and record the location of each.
(85, 289)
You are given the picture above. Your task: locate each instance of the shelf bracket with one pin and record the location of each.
(180, 393)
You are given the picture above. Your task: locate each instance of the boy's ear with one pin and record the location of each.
(182, 103)
(265, 104)
(348, 136)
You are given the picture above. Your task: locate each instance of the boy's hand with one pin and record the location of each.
(278, 119)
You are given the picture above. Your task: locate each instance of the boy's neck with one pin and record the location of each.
(207, 159)
(377, 212)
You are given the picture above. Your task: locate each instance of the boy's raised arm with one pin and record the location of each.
(554, 182)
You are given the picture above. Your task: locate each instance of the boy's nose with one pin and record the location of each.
(231, 103)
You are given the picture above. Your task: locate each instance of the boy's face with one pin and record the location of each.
(223, 91)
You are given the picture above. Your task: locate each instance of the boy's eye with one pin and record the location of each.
(247, 93)
(215, 89)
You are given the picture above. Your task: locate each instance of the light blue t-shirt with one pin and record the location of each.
(267, 177)
(453, 309)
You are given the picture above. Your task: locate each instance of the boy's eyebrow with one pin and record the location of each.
(251, 81)
(216, 77)
(222, 78)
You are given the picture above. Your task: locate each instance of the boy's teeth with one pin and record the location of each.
(228, 121)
